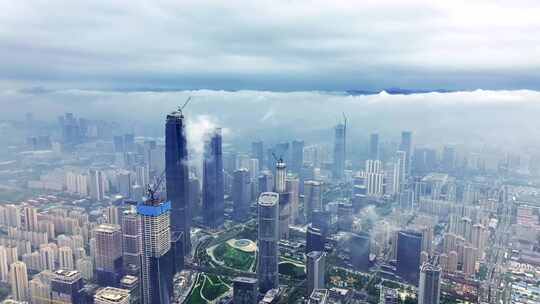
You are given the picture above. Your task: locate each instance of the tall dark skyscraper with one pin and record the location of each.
(297, 156)
(339, 150)
(409, 246)
(257, 151)
(177, 176)
(268, 237)
(213, 205)
(406, 146)
(374, 146)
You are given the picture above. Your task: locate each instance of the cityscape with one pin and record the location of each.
(161, 172)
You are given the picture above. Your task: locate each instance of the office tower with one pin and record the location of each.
(297, 156)
(292, 186)
(345, 216)
(65, 258)
(241, 194)
(284, 203)
(406, 146)
(67, 287)
(315, 269)
(131, 242)
(40, 293)
(86, 268)
(429, 287)
(124, 183)
(257, 151)
(111, 295)
(409, 246)
(399, 172)
(4, 269)
(339, 150)
(108, 254)
(244, 290)
(374, 177)
(18, 279)
(267, 268)
(96, 184)
(177, 176)
(132, 285)
(319, 296)
(359, 246)
(253, 168)
(388, 296)
(427, 239)
(266, 182)
(374, 146)
(30, 218)
(312, 198)
(314, 239)
(321, 220)
(213, 205)
(307, 172)
(157, 257)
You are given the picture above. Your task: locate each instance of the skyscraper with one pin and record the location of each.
(429, 287)
(241, 194)
(267, 268)
(406, 146)
(373, 146)
(19, 281)
(108, 254)
(339, 150)
(157, 258)
(297, 156)
(374, 178)
(314, 239)
(131, 242)
(312, 198)
(67, 287)
(177, 176)
(409, 246)
(213, 205)
(284, 199)
(315, 268)
(399, 172)
(359, 247)
(257, 151)
(245, 290)
(96, 185)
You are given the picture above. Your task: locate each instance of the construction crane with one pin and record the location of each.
(153, 190)
(184, 105)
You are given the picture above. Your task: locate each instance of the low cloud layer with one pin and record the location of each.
(508, 119)
(270, 45)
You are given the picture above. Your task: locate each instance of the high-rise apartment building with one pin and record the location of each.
(108, 255)
(19, 281)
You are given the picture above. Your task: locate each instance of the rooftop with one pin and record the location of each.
(268, 199)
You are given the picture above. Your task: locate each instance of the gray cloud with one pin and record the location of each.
(270, 45)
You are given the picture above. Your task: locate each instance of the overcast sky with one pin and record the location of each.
(270, 45)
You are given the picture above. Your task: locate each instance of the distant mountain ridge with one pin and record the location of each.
(396, 91)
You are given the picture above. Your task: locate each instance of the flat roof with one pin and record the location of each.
(268, 199)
